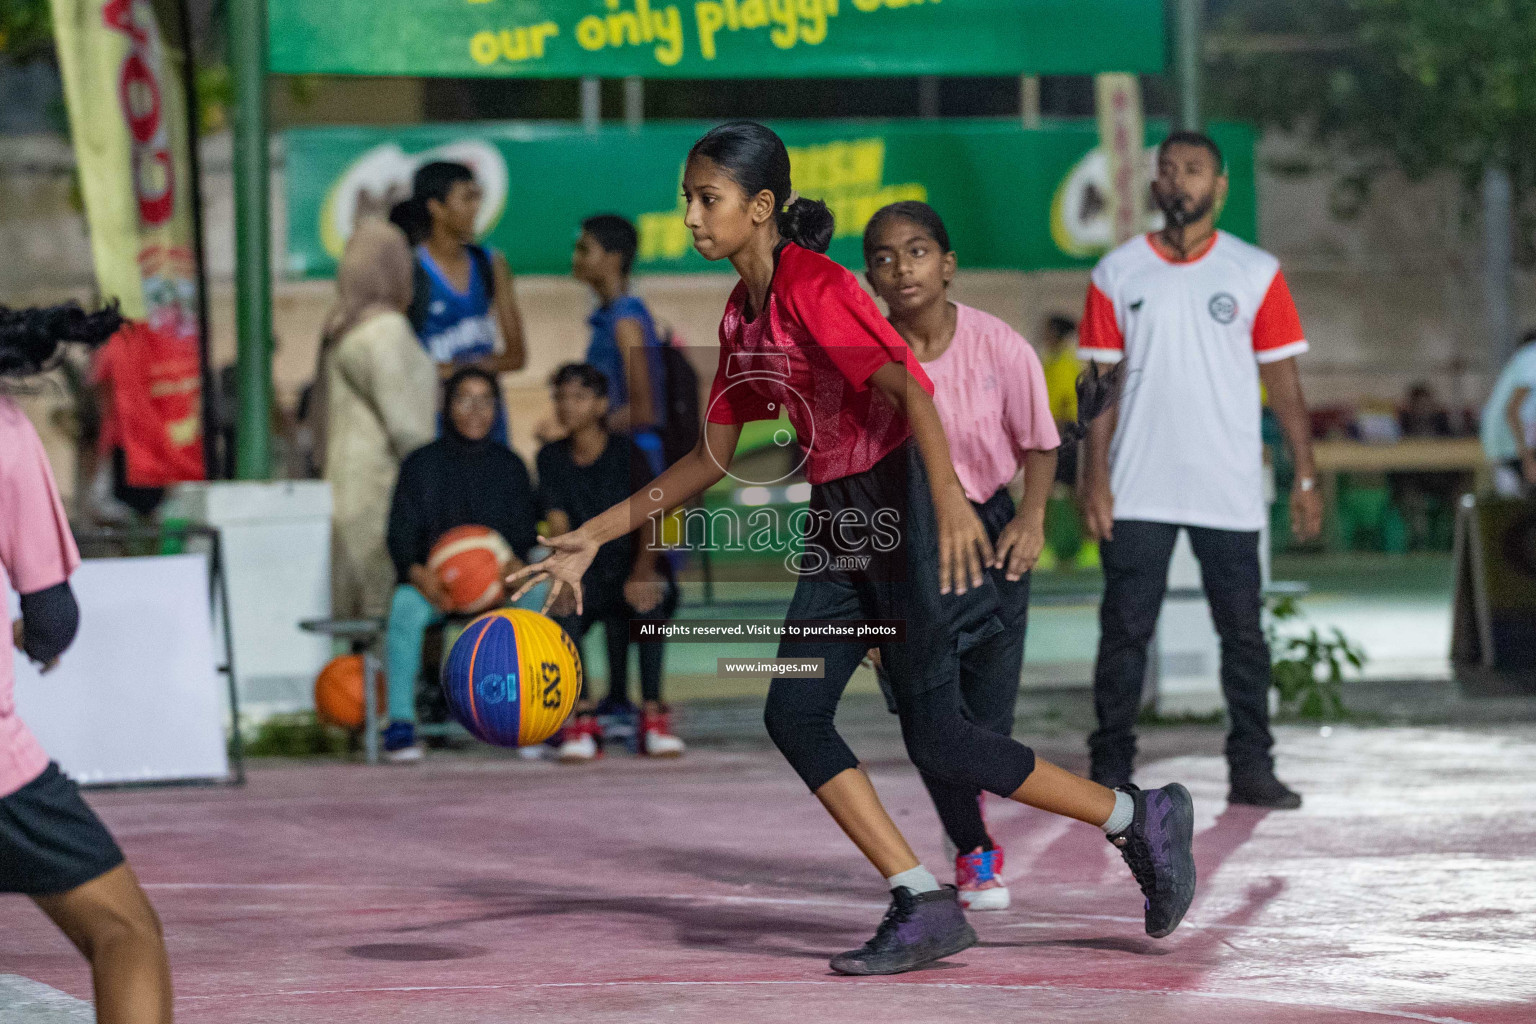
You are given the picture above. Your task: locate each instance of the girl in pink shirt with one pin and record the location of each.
(990, 391)
(53, 848)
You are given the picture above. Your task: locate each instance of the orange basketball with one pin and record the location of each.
(339, 692)
(469, 560)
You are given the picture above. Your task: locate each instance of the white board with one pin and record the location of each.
(138, 696)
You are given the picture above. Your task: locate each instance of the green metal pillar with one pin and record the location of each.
(253, 266)
(1187, 17)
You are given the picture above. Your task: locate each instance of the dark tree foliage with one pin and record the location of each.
(1425, 86)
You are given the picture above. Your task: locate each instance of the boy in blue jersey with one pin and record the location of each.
(625, 345)
(469, 289)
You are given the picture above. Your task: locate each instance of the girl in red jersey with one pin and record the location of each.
(895, 538)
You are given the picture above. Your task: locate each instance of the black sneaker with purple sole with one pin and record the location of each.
(918, 929)
(1159, 848)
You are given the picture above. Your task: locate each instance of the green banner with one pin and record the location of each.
(715, 38)
(1012, 198)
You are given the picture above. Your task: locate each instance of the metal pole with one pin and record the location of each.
(634, 102)
(253, 269)
(1187, 28)
(212, 405)
(1498, 264)
(1029, 100)
(591, 103)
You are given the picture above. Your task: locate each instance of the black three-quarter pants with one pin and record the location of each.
(990, 665)
(616, 614)
(899, 582)
(1135, 582)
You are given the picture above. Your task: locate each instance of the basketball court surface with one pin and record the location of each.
(486, 889)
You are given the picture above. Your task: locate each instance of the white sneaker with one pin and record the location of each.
(661, 744)
(532, 753)
(985, 899)
(657, 739)
(579, 746)
(406, 755)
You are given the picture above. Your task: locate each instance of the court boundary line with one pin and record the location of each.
(1270, 1000)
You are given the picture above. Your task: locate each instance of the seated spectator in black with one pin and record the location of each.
(1424, 498)
(580, 476)
(464, 478)
(1423, 415)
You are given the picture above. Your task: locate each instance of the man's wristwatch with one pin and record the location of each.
(1306, 483)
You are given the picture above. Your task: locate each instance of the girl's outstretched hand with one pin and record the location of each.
(564, 567)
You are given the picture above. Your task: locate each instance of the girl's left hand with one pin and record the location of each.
(1019, 547)
(964, 549)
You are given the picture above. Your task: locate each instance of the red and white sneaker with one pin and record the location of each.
(579, 741)
(656, 738)
(979, 877)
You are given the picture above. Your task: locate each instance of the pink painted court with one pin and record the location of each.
(485, 889)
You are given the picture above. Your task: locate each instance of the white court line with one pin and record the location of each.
(22, 999)
(689, 898)
(1276, 1000)
(445, 898)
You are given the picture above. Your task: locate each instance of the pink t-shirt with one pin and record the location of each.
(990, 390)
(37, 551)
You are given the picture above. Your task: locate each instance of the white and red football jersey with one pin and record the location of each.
(1187, 449)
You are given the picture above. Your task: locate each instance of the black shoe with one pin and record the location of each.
(1158, 847)
(918, 929)
(1263, 791)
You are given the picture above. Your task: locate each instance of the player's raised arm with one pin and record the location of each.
(571, 553)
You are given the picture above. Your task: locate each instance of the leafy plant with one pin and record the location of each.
(1309, 669)
(297, 735)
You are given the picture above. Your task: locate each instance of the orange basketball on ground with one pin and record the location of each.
(469, 560)
(339, 692)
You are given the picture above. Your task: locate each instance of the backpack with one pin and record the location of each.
(421, 285)
(680, 418)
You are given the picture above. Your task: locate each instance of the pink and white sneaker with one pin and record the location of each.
(979, 877)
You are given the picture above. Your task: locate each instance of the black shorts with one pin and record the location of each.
(50, 840)
(899, 581)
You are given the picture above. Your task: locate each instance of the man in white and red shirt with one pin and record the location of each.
(1199, 318)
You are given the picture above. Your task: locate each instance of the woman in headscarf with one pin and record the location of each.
(464, 478)
(375, 403)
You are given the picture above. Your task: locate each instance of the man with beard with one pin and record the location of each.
(1201, 318)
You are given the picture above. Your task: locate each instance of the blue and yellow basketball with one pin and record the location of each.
(512, 677)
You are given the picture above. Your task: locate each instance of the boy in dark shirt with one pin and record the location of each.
(579, 477)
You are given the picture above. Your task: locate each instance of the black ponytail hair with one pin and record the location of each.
(756, 159)
(919, 213)
(30, 338)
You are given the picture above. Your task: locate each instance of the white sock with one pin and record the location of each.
(1120, 818)
(918, 879)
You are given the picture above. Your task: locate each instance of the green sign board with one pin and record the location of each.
(1012, 198)
(715, 38)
